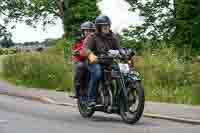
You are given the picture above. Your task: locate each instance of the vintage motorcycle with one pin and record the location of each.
(120, 90)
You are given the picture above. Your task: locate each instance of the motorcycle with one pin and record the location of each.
(120, 90)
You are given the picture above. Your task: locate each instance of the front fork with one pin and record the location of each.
(124, 90)
(122, 83)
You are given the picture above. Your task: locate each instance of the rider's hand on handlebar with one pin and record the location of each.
(92, 58)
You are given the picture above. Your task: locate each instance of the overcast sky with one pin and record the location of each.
(117, 10)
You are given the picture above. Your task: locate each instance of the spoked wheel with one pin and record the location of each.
(132, 111)
(106, 95)
(83, 109)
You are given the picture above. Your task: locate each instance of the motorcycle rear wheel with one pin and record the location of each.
(83, 110)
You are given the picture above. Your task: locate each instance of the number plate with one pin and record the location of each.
(124, 68)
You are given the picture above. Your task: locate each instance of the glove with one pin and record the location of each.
(92, 58)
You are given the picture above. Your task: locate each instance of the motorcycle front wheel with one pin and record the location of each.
(132, 111)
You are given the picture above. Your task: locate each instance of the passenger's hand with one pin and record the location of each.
(92, 58)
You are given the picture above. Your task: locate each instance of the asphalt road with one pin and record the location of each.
(21, 116)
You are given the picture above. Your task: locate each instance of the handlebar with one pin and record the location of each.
(117, 54)
(109, 59)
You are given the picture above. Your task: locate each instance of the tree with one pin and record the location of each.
(196, 26)
(6, 42)
(184, 18)
(77, 12)
(171, 20)
(188, 25)
(72, 12)
(29, 11)
(4, 32)
(159, 19)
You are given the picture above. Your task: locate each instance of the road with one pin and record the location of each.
(22, 116)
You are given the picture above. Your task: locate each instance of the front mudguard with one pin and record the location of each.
(133, 77)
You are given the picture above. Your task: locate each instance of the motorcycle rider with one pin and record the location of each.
(79, 59)
(102, 40)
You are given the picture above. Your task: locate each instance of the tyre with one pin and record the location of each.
(83, 109)
(135, 105)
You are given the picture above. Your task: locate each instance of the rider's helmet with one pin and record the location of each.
(102, 20)
(88, 26)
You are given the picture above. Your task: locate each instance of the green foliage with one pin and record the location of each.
(168, 20)
(31, 12)
(140, 46)
(7, 51)
(77, 12)
(28, 11)
(196, 26)
(159, 20)
(6, 42)
(61, 47)
(184, 16)
(3, 32)
(187, 25)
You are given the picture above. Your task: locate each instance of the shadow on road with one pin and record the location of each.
(112, 119)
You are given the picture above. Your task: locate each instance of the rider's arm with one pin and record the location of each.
(117, 42)
(89, 49)
(90, 45)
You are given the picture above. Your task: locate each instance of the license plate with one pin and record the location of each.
(124, 68)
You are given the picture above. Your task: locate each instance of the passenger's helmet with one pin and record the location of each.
(87, 26)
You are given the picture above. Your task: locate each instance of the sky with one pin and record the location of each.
(25, 33)
(117, 10)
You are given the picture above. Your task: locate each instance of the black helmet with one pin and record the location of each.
(102, 20)
(87, 26)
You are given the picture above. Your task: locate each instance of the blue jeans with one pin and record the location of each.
(95, 75)
(81, 76)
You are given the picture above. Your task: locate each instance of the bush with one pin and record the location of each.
(62, 47)
(7, 51)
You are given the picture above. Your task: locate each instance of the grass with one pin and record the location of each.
(169, 78)
(40, 70)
